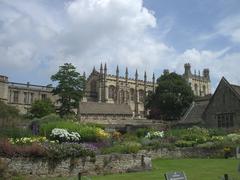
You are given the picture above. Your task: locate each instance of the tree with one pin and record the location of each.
(42, 108)
(172, 97)
(70, 88)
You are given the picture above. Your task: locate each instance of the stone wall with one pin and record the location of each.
(189, 152)
(102, 164)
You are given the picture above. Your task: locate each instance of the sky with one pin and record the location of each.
(37, 36)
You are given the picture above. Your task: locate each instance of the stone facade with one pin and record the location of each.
(105, 88)
(102, 87)
(200, 84)
(102, 164)
(223, 110)
(23, 95)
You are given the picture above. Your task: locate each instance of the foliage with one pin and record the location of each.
(184, 143)
(70, 88)
(9, 115)
(87, 133)
(42, 108)
(15, 132)
(142, 132)
(172, 97)
(27, 140)
(66, 150)
(62, 135)
(124, 148)
(197, 134)
(155, 134)
(101, 134)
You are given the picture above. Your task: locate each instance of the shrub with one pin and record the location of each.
(15, 132)
(155, 134)
(184, 143)
(27, 140)
(124, 148)
(66, 150)
(197, 134)
(42, 108)
(101, 134)
(62, 135)
(142, 132)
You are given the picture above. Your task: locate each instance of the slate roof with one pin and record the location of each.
(104, 108)
(236, 88)
(194, 113)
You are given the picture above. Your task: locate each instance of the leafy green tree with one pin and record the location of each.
(70, 88)
(42, 108)
(172, 97)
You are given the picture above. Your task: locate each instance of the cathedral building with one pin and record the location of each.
(106, 95)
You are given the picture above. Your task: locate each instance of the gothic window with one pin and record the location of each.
(121, 97)
(204, 90)
(127, 96)
(31, 97)
(141, 95)
(93, 86)
(196, 89)
(132, 94)
(25, 98)
(111, 92)
(15, 96)
(44, 96)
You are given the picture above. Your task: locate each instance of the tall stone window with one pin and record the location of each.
(141, 95)
(44, 96)
(93, 88)
(132, 94)
(127, 96)
(204, 90)
(31, 97)
(15, 96)
(196, 89)
(121, 97)
(25, 100)
(111, 92)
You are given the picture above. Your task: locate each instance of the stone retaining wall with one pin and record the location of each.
(189, 152)
(102, 164)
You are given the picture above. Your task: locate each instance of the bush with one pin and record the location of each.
(9, 115)
(66, 150)
(42, 108)
(62, 135)
(124, 148)
(27, 140)
(142, 132)
(15, 132)
(197, 134)
(184, 143)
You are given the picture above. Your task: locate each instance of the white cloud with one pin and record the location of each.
(230, 27)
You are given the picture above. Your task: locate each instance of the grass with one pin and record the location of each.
(195, 169)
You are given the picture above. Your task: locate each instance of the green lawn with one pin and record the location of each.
(195, 169)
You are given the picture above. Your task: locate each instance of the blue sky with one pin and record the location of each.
(37, 36)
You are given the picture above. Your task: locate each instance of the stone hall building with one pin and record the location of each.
(106, 95)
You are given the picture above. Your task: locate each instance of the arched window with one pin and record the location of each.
(204, 90)
(141, 95)
(121, 97)
(93, 88)
(196, 89)
(111, 92)
(132, 94)
(127, 96)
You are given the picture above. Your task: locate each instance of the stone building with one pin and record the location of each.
(221, 110)
(125, 94)
(113, 89)
(23, 95)
(200, 84)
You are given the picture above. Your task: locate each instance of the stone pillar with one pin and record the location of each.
(153, 81)
(105, 94)
(126, 85)
(145, 92)
(100, 84)
(4, 88)
(117, 86)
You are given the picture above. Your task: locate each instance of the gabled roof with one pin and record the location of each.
(234, 88)
(104, 108)
(194, 113)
